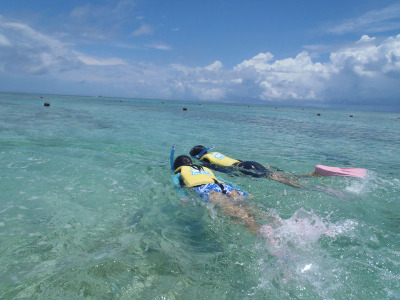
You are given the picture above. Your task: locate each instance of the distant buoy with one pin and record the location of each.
(351, 116)
(46, 104)
(41, 97)
(184, 108)
(318, 114)
(162, 102)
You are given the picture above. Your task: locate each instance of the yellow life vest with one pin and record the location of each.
(193, 177)
(219, 159)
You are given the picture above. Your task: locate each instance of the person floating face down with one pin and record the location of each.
(223, 163)
(215, 190)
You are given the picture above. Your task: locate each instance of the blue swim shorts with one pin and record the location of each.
(204, 190)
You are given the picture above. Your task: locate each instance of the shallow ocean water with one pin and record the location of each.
(88, 210)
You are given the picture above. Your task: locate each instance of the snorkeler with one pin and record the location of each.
(212, 189)
(220, 162)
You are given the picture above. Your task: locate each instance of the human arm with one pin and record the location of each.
(284, 179)
(176, 180)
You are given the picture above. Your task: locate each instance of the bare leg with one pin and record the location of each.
(284, 179)
(313, 174)
(236, 210)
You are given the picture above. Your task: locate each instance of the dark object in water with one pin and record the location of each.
(253, 169)
(137, 216)
(184, 108)
(318, 114)
(351, 116)
(46, 104)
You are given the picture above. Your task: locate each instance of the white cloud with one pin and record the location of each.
(116, 9)
(144, 29)
(81, 11)
(25, 50)
(159, 46)
(99, 20)
(124, 7)
(366, 58)
(4, 41)
(291, 78)
(213, 93)
(215, 66)
(92, 61)
(365, 69)
(365, 39)
(258, 62)
(373, 21)
(237, 80)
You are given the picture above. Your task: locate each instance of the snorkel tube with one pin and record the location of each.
(171, 157)
(204, 150)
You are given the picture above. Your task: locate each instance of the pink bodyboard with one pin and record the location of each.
(337, 171)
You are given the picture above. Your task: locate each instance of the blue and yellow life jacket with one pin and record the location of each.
(194, 177)
(219, 159)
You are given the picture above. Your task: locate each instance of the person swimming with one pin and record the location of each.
(223, 163)
(213, 159)
(202, 181)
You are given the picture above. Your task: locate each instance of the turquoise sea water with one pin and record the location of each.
(88, 210)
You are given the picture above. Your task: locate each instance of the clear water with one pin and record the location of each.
(88, 211)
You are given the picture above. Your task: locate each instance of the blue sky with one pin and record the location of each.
(290, 52)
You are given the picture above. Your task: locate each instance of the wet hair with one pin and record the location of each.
(196, 150)
(182, 160)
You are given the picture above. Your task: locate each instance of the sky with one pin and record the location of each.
(294, 52)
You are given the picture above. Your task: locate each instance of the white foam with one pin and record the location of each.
(41, 243)
(34, 234)
(7, 208)
(297, 254)
(306, 268)
(303, 229)
(359, 186)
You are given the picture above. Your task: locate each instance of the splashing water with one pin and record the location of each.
(298, 261)
(301, 230)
